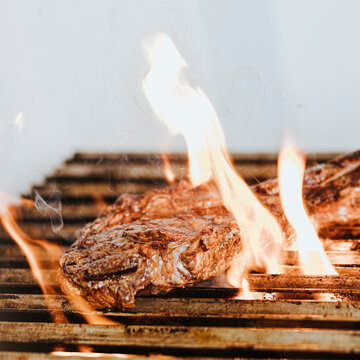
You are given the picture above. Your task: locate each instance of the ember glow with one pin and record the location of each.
(188, 111)
(312, 256)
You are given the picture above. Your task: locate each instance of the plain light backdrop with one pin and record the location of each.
(74, 69)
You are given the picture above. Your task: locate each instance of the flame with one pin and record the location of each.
(38, 250)
(187, 110)
(35, 251)
(168, 171)
(312, 256)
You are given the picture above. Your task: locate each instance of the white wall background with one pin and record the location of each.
(74, 68)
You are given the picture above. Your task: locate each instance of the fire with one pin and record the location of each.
(187, 110)
(168, 171)
(35, 251)
(312, 256)
(38, 250)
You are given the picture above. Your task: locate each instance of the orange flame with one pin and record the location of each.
(187, 110)
(312, 256)
(37, 252)
(168, 171)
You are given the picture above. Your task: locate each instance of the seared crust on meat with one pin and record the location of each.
(156, 242)
(331, 193)
(181, 235)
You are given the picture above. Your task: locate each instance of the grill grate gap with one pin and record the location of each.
(287, 321)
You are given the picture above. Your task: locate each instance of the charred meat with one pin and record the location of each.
(153, 243)
(181, 235)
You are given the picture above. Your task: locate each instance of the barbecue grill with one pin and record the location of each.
(292, 315)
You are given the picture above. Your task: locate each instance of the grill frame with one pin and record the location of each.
(295, 316)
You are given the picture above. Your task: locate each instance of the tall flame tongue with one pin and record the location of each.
(291, 173)
(187, 110)
(37, 251)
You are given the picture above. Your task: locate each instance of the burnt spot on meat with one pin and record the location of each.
(98, 276)
(202, 244)
(172, 241)
(158, 245)
(180, 235)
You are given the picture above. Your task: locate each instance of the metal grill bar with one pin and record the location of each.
(269, 340)
(265, 282)
(349, 310)
(312, 317)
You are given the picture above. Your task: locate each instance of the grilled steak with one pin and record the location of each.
(331, 192)
(181, 235)
(161, 240)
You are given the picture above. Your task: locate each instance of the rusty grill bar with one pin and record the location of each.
(293, 316)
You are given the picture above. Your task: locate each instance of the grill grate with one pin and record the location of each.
(293, 316)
